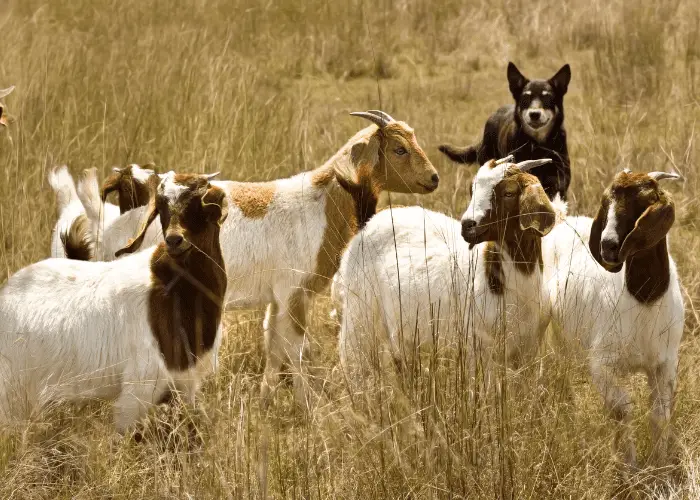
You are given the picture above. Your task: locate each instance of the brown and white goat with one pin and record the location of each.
(131, 185)
(617, 300)
(283, 239)
(130, 330)
(410, 277)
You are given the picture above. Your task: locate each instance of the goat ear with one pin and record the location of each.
(516, 80)
(152, 212)
(560, 81)
(536, 211)
(111, 184)
(595, 236)
(215, 205)
(650, 228)
(363, 153)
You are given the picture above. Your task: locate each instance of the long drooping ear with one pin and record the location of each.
(596, 233)
(560, 81)
(536, 211)
(215, 205)
(151, 211)
(111, 183)
(362, 154)
(650, 228)
(516, 80)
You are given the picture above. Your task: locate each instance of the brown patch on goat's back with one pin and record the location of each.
(185, 304)
(77, 240)
(253, 198)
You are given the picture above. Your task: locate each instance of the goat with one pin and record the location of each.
(622, 322)
(82, 216)
(130, 330)
(131, 185)
(411, 268)
(110, 230)
(283, 239)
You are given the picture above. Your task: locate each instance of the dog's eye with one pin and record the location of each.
(400, 151)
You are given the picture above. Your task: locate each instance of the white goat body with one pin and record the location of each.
(410, 278)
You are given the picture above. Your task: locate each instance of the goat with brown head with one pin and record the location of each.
(634, 217)
(188, 268)
(392, 158)
(507, 201)
(131, 185)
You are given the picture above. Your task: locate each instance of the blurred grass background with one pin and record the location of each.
(261, 90)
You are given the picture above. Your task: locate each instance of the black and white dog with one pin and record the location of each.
(531, 129)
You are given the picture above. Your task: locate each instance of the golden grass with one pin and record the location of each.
(261, 90)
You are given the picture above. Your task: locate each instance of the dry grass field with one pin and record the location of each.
(261, 90)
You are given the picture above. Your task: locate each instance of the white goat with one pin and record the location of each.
(129, 330)
(113, 226)
(410, 275)
(283, 239)
(622, 322)
(82, 216)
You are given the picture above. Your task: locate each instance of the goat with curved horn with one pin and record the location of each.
(507, 159)
(660, 176)
(378, 120)
(381, 113)
(530, 164)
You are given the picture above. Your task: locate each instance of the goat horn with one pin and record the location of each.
(507, 159)
(660, 176)
(117, 170)
(211, 176)
(381, 113)
(530, 164)
(6, 92)
(380, 121)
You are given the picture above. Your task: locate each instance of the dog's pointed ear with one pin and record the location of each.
(516, 80)
(560, 81)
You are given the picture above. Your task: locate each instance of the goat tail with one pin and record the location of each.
(561, 208)
(61, 181)
(89, 194)
(77, 239)
(466, 154)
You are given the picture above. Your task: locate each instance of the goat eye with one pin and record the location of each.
(400, 151)
(509, 195)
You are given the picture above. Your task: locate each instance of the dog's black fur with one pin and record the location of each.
(505, 133)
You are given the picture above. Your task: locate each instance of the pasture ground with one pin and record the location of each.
(261, 90)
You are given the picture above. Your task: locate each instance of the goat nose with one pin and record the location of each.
(174, 240)
(435, 178)
(610, 249)
(468, 224)
(535, 115)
